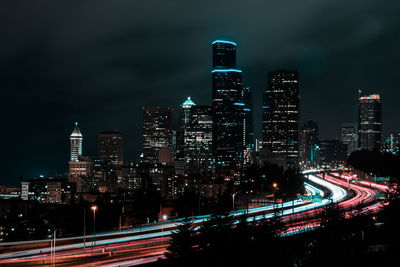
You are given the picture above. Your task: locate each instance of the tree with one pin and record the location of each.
(182, 241)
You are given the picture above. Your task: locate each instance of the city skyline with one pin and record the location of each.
(37, 94)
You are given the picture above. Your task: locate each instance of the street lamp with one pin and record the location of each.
(94, 208)
(53, 249)
(84, 228)
(233, 201)
(275, 185)
(164, 217)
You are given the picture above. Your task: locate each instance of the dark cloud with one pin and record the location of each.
(98, 62)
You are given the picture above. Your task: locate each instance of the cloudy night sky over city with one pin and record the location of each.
(98, 62)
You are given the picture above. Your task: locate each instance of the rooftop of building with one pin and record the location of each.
(371, 97)
(224, 41)
(110, 133)
(76, 132)
(188, 103)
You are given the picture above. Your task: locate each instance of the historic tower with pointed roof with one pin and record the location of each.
(76, 143)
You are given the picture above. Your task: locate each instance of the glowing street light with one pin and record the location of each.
(164, 217)
(275, 185)
(94, 208)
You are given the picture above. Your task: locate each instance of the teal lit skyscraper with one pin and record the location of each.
(227, 107)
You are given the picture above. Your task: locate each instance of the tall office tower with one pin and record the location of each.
(80, 168)
(227, 107)
(370, 122)
(349, 136)
(198, 140)
(157, 132)
(281, 115)
(308, 142)
(224, 54)
(111, 147)
(184, 118)
(186, 110)
(76, 143)
(248, 130)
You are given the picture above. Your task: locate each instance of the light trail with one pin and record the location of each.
(153, 234)
(163, 230)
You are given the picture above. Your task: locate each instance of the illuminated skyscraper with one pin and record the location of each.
(184, 118)
(308, 141)
(157, 132)
(198, 140)
(349, 136)
(76, 143)
(370, 122)
(281, 115)
(248, 131)
(185, 110)
(224, 54)
(111, 147)
(227, 107)
(80, 168)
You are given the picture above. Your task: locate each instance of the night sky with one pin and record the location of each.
(99, 62)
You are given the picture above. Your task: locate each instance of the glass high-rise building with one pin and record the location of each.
(76, 143)
(157, 133)
(198, 140)
(111, 147)
(184, 118)
(349, 136)
(370, 122)
(281, 115)
(227, 107)
(224, 54)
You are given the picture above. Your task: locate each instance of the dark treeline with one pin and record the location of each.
(381, 164)
(31, 220)
(359, 241)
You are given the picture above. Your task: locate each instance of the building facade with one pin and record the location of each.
(198, 140)
(184, 118)
(227, 107)
(111, 147)
(76, 143)
(281, 115)
(332, 152)
(248, 127)
(308, 143)
(349, 136)
(392, 143)
(157, 132)
(370, 122)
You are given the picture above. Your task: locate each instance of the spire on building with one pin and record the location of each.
(76, 143)
(76, 133)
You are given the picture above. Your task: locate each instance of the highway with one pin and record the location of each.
(140, 245)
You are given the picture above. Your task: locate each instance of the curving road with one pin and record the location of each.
(140, 245)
